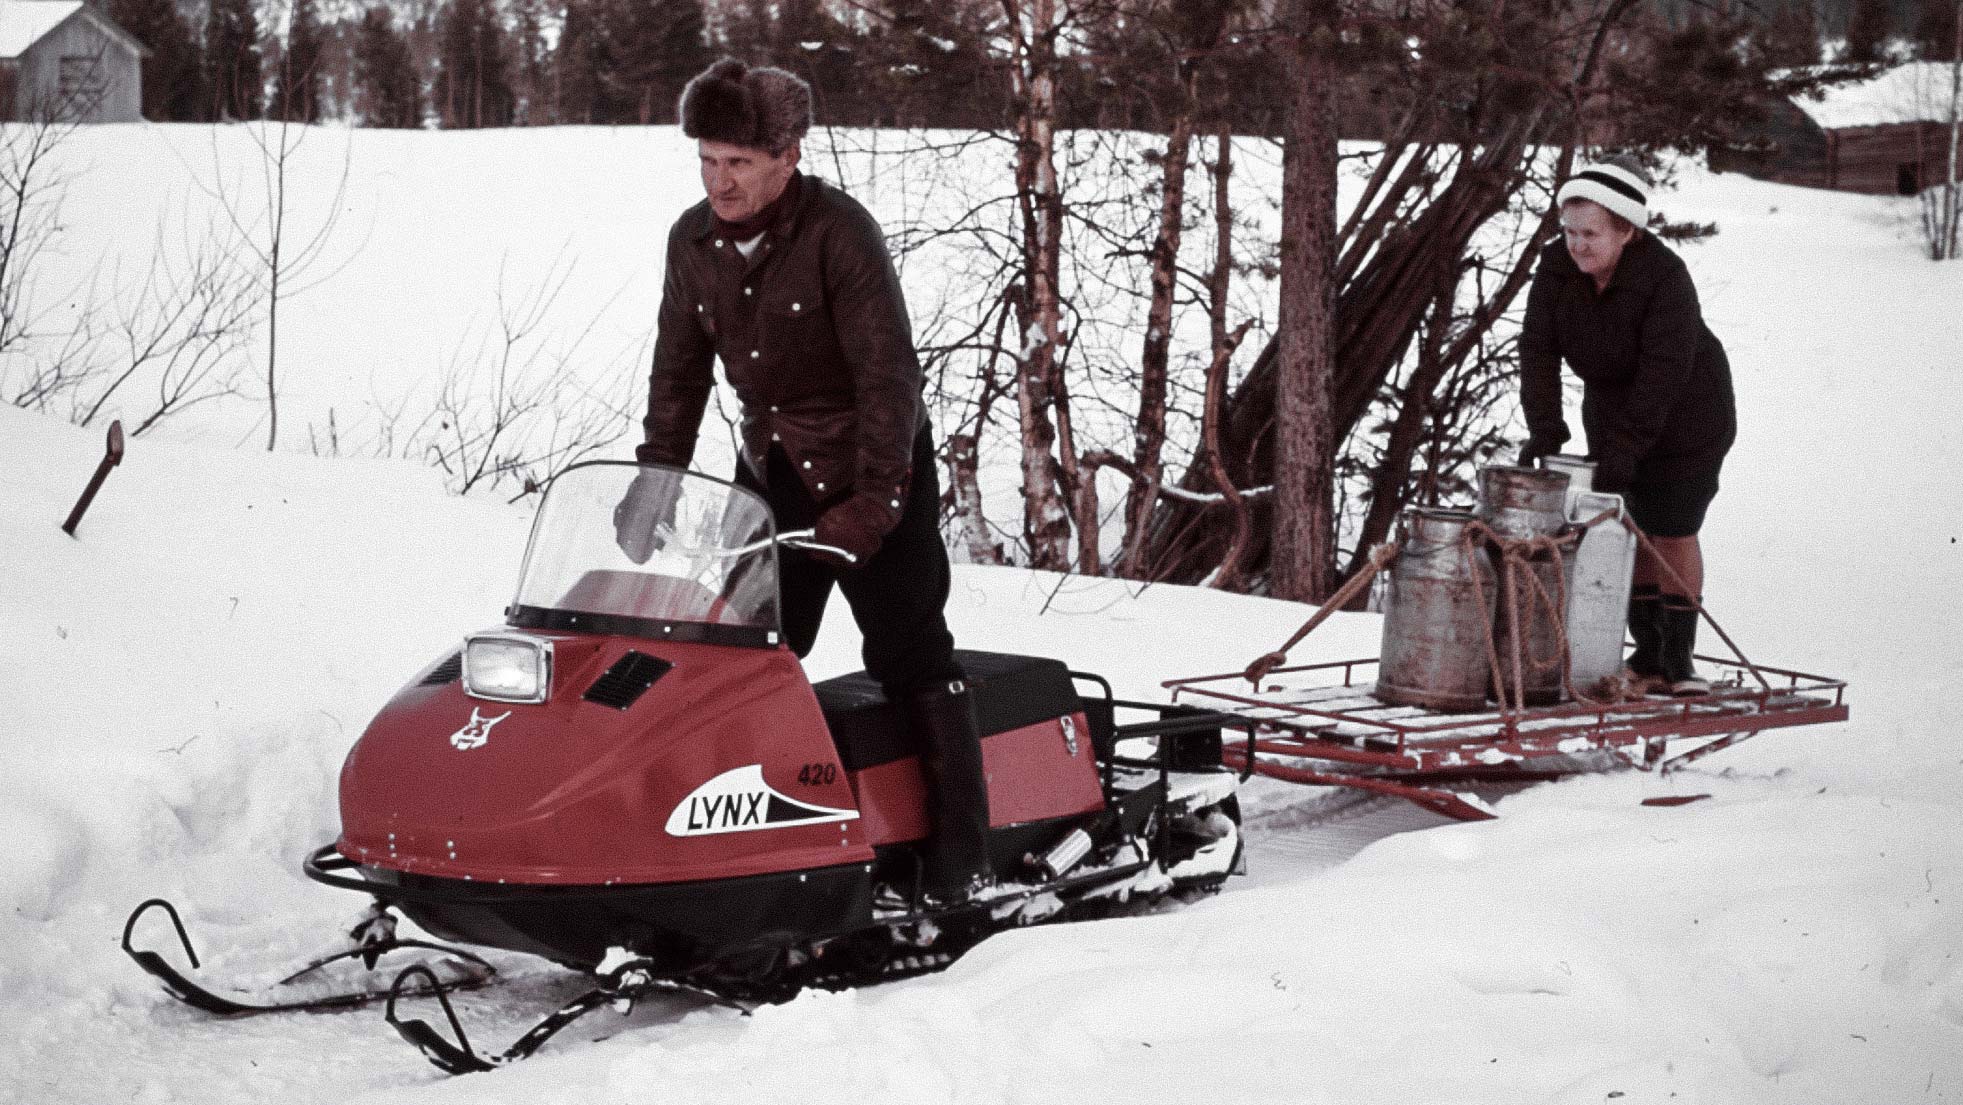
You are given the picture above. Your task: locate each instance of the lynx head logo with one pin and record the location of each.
(477, 732)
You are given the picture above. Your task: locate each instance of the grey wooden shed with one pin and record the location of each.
(63, 60)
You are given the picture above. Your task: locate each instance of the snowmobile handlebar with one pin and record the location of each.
(796, 539)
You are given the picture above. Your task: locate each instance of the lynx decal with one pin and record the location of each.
(739, 801)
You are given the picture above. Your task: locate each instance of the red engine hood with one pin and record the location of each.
(572, 792)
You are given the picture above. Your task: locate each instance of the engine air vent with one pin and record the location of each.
(445, 672)
(627, 680)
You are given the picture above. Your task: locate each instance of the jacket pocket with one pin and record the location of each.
(795, 325)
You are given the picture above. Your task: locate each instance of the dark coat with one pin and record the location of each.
(1656, 400)
(813, 334)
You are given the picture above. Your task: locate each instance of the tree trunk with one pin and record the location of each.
(1953, 187)
(1302, 562)
(1149, 436)
(1046, 520)
(965, 485)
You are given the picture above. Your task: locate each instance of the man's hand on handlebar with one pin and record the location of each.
(647, 508)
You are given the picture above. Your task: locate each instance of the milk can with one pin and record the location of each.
(1598, 591)
(1438, 607)
(1518, 503)
(1581, 474)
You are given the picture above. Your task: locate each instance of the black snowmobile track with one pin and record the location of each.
(958, 928)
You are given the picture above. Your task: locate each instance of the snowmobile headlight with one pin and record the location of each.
(508, 669)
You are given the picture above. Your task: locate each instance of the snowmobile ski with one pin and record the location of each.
(470, 971)
(620, 988)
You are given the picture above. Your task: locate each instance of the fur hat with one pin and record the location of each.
(1617, 183)
(763, 108)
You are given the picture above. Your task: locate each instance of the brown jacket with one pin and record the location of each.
(813, 334)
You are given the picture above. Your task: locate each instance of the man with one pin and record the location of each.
(788, 280)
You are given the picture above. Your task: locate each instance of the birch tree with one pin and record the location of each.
(1034, 28)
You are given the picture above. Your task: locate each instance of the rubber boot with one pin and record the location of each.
(1678, 619)
(956, 863)
(1645, 665)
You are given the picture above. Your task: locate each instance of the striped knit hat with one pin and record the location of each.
(1617, 183)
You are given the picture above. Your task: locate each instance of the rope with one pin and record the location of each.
(1516, 557)
(1697, 602)
(1380, 557)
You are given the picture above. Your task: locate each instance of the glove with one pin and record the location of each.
(1614, 473)
(648, 506)
(1533, 450)
(857, 525)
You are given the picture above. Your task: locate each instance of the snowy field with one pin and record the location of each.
(183, 680)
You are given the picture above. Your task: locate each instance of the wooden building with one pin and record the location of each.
(62, 60)
(1886, 136)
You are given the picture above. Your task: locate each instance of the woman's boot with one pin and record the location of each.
(1644, 667)
(1678, 620)
(955, 853)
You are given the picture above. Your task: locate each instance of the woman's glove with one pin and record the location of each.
(1533, 450)
(857, 526)
(1614, 473)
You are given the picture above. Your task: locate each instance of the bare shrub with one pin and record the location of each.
(516, 403)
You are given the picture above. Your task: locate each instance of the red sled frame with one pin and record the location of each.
(1299, 719)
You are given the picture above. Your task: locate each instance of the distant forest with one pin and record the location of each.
(495, 63)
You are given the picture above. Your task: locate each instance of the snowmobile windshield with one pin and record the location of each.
(651, 552)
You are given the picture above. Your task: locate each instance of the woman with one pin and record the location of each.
(1618, 306)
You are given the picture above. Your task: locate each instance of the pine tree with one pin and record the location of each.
(653, 47)
(532, 68)
(1792, 38)
(576, 64)
(391, 94)
(235, 83)
(1867, 30)
(473, 85)
(1935, 30)
(173, 74)
(297, 98)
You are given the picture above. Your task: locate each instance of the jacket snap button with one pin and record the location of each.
(700, 307)
(896, 504)
(821, 485)
(773, 409)
(776, 437)
(718, 243)
(748, 291)
(754, 354)
(807, 464)
(797, 306)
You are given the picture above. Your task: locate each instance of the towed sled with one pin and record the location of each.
(633, 778)
(1502, 639)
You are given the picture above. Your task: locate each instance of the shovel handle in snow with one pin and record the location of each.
(112, 457)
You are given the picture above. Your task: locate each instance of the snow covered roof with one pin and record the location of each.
(1917, 90)
(23, 22)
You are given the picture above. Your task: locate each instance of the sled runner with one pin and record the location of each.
(1319, 724)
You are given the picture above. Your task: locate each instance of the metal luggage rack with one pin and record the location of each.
(1303, 716)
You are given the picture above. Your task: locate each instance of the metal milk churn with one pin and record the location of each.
(1438, 608)
(1581, 475)
(1598, 591)
(1518, 503)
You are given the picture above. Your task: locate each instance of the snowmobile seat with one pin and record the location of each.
(1010, 692)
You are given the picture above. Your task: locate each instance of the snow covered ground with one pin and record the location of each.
(182, 680)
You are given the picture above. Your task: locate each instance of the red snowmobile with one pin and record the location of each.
(633, 777)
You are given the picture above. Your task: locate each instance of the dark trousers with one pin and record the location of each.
(896, 597)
